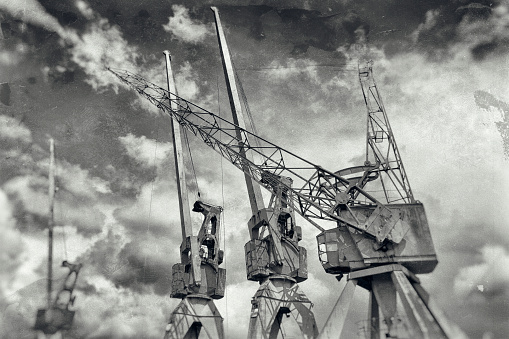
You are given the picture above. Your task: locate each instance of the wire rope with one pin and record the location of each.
(246, 105)
(186, 140)
(150, 204)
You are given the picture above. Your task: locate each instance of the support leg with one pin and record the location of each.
(421, 321)
(276, 298)
(437, 313)
(195, 317)
(334, 324)
(374, 318)
(385, 294)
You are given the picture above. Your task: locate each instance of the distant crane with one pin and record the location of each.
(380, 244)
(197, 279)
(57, 316)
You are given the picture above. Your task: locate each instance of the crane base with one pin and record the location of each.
(192, 314)
(399, 307)
(278, 296)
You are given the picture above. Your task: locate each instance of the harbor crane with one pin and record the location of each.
(273, 255)
(197, 279)
(379, 241)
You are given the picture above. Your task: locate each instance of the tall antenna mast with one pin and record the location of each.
(58, 314)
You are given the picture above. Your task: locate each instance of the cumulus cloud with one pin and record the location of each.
(147, 152)
(32, 12)
(483, 288)
(430, 21)
(25, 180)
(490, 278)
(85, 9)
(184, 28)
(11, 129)
(119, 313)
(11, 246)
(102, 45)
(29, 193)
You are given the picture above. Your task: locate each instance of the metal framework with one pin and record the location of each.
(381, 147)
(59, 316)
(318, 194)
(372, 242)
(196, 316)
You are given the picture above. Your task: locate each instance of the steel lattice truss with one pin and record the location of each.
(381, 145)
(317, 192)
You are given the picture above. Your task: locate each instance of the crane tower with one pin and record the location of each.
(197, 279)
(273, 255)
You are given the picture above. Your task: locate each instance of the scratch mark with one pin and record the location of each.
(485, 100)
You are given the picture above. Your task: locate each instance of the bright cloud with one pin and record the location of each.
(148, 152)
(10, 128)
(11, 245)
(85, 9)
(294, 67)
(103, 45)
(31, 11)
(184, 28)
(491, 276)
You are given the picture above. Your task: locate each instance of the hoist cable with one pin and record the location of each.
(246, 105)
(300, 67)
(186, 140)
(150, 204)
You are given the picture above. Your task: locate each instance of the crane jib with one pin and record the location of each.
(319, 193)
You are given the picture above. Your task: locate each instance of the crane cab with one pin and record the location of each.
(199, 271)
(344, 249)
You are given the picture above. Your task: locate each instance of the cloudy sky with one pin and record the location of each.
(442, 69)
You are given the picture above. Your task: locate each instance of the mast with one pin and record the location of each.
(185, 213)
(381, 147)
(197, 279)
(51, 221)
(273, 231)
(253, 189)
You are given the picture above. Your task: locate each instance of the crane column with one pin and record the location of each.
(273, 256)
(197, 279)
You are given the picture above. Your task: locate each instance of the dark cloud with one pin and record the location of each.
(146, 266)
(5, 94)
(141, 265)
(275, 46)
